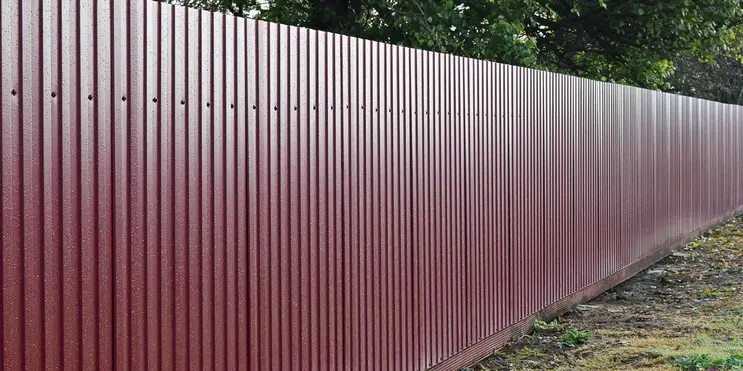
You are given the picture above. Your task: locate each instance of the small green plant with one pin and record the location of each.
(693, 363)
(575, 337)
(735, 361)
(724, 292)
(704, 362)
(552, 326)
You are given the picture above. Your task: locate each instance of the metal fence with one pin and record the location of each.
(182, 189)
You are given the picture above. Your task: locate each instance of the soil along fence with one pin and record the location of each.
(182, 188)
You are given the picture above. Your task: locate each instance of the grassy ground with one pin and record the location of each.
(684, 313)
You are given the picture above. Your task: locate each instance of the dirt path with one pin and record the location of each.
(684, 313)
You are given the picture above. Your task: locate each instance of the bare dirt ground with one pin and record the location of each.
(684, 313)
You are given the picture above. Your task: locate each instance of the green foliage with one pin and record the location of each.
(634, 41)
(484, 29)
(723, 292)
(552, 326)
(720, 79)
(575, 337)
(704, 362)
(241, 8)
(673, 45)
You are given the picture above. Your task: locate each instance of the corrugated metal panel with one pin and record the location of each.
(182, 189)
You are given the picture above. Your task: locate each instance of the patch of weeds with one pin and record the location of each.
(575, 337)
(734, 320)
(707, 242)
(530, 353)
(552, 326)
(723, 264)
(703, 341)
(640, 297)
(705, 362)
(693, 244)
(724, 292)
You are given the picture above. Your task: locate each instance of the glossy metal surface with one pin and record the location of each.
(188, 190)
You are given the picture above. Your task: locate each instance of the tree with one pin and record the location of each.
(721, 80)
(633, 41)
(474, 28)
(646, 43)
(240, 8)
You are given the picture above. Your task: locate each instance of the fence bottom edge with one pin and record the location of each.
(495, 342)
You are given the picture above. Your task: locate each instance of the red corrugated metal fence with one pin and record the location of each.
(188, 190)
